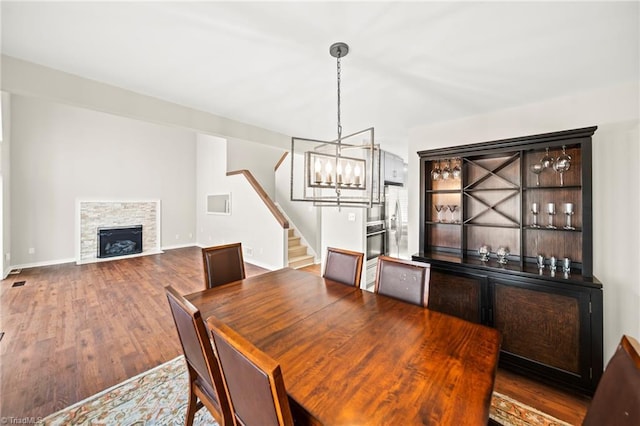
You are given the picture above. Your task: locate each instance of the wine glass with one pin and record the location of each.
(502, 253)
(439, 208)
(562, 164)
(446, 170)
(452, 209)
(551, 211)
(547, 160)
(536, 169)
(534, 212)
(436, 172)
(457, 170)
(568, 211)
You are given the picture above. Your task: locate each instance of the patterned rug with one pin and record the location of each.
(159, 397)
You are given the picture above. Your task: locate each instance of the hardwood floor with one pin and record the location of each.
(71, 331)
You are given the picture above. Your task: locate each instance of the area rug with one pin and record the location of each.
(159, 397)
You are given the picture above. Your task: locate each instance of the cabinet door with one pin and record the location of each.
(393, 168)
(457, 293)
(545, 330)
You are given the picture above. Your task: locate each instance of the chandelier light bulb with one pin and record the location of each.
(318, 170)
(328, 168)
(356, 174)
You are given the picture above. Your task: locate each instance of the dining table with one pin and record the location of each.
(352, 357)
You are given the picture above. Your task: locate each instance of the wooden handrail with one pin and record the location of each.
(263, 196)
(281, 160)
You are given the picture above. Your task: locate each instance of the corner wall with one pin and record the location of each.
(5, 172)
(616, 182)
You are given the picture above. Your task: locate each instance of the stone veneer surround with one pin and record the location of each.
(92, 215)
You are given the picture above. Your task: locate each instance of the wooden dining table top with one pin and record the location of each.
(351, 357)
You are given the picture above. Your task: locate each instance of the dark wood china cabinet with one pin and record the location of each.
(480, 198)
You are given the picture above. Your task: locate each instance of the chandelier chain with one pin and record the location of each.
(339, 120)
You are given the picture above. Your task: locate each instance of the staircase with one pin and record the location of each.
(298, 256)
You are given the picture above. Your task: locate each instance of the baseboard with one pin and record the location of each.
(177, 246)
(7, 271)
(38, 264)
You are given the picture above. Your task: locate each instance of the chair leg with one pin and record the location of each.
(192, 407)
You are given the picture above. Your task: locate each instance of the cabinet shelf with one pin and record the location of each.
(550, 188)
(493, 225)
(557, 229)
(443, 223)
(511, 188)
(495, 192)
(443, 191)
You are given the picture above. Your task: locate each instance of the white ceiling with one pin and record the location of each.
(267, 63)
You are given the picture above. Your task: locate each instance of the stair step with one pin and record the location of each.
(291, 232)
(300, 261)
(294, 241)
(296, 251)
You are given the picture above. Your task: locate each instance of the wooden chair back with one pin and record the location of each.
(254, 380)
(403, 279)
(205, 377)
(222, 264)
(617, 398)
(344, 266)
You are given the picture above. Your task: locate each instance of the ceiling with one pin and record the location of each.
(268, 63)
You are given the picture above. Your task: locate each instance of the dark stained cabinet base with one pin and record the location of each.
(551, 330)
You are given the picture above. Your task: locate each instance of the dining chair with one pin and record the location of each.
(222, 264)
(206, 385)
(617, 398)
(403, 279)
(344, 266)
(253, 379)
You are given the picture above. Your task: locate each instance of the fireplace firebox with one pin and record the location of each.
(119, 241)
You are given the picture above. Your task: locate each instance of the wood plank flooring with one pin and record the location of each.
(72, 331)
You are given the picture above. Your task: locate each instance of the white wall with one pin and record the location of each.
(304, 215)
(250, 221)
(616, 182)
(60, 153)
(259, 158)
(345, 229)
(5, 172)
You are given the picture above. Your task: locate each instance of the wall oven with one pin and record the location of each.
(376, 239)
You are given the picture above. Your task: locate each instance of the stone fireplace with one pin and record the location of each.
(129, 228)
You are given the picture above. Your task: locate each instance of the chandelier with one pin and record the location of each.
(342, 172)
